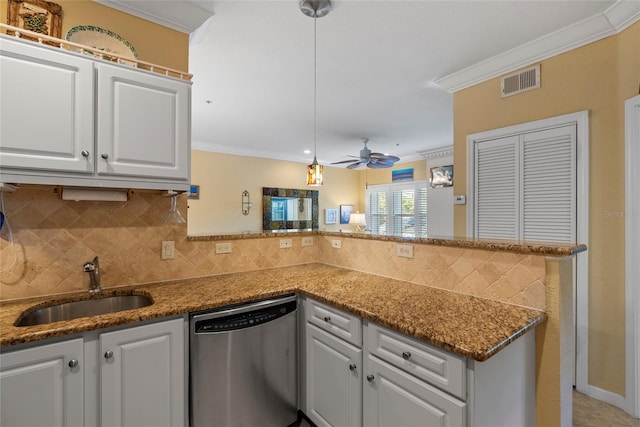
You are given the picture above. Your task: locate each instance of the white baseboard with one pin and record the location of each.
(605, 396)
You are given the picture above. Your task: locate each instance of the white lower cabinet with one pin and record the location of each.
(334, 390)
(131, 377)
(142, 380)
(407, 382)
(43, 386)
(393, 397)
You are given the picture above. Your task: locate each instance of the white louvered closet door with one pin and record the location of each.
(549, 185)
(525, 186)
(497, 188)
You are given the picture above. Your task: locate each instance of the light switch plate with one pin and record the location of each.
(168, 249)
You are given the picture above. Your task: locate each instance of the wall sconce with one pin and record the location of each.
(246, 203)
(359, 220)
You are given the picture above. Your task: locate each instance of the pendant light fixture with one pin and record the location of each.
(315, 9)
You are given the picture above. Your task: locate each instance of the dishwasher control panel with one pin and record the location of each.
(248, 319)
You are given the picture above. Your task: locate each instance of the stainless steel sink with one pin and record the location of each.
(84, 308)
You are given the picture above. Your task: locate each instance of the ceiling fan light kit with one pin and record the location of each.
(315, 9)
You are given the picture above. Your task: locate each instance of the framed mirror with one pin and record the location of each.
(289, 209)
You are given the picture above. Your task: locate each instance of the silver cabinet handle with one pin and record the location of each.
(370, 378)
(327, 318)
(352, 367)
(108, 354)
(73, 363)
(406, 355)
(85, 153)
(104, 155)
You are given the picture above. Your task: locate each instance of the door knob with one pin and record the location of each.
(73, 363)
(406, 355)
(104, 155)
(352, 367)
(370, 378)
(85, 153)
(327, 318)
(108, 354)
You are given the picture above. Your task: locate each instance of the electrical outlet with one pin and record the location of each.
(223, 248)
(168, 249)
(286, 243)
(307, 241)
(336, 244)
(404, 251)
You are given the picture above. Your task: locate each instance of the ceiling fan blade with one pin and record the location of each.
(381, 156)
(355, 165)
(345, 161)
(379, 165)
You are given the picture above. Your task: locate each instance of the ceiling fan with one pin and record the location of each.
(372, 160)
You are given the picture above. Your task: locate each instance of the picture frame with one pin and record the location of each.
(345, 213)
(331, 216)
(39, 16)
(441, 176)
(194, 192)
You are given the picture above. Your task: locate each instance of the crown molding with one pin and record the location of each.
(437, 153)
(184, 16)
(615, 19)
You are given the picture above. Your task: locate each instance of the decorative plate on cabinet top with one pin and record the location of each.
(102, 39)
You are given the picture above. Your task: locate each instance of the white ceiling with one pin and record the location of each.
(377, 67)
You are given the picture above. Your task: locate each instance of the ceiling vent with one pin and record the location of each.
(521, 81)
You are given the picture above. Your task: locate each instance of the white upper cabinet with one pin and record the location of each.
(71, 119)
(46, 104)
(142, 124)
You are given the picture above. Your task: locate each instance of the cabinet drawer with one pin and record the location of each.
(341, 324)
(438, 367)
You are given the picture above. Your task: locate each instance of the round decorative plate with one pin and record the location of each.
(102, 39)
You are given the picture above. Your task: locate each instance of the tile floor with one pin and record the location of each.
(588, 412)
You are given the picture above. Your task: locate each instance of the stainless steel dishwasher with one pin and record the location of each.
(243, 365)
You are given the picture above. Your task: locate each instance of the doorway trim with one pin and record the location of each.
(632, 254)
(581, 120)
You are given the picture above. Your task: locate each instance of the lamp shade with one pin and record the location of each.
(357, 219)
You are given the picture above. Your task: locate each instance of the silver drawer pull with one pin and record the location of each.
(352, 367)
(108, 354)
(85, 153)
(73, 363)
(406, 355)
(105, 156)
(370, 378)
(327, 318)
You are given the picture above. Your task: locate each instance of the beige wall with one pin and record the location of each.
(223, 178)
(597, 77)
(154, 43)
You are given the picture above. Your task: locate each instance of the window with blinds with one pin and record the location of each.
(525, 186)
(397, 209)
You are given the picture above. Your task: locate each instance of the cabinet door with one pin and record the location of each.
(392, 397)
(46, 109)
(142, 376)
(143, 124)
(43, 386)
(333, 380)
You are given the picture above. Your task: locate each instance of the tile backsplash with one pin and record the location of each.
(53, 238)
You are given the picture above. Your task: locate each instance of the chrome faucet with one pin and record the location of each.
(93, 268)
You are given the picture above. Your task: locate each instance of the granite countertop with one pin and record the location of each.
(523, 247)
(472, 327)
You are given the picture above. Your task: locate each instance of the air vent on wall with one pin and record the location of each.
(521, 81)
